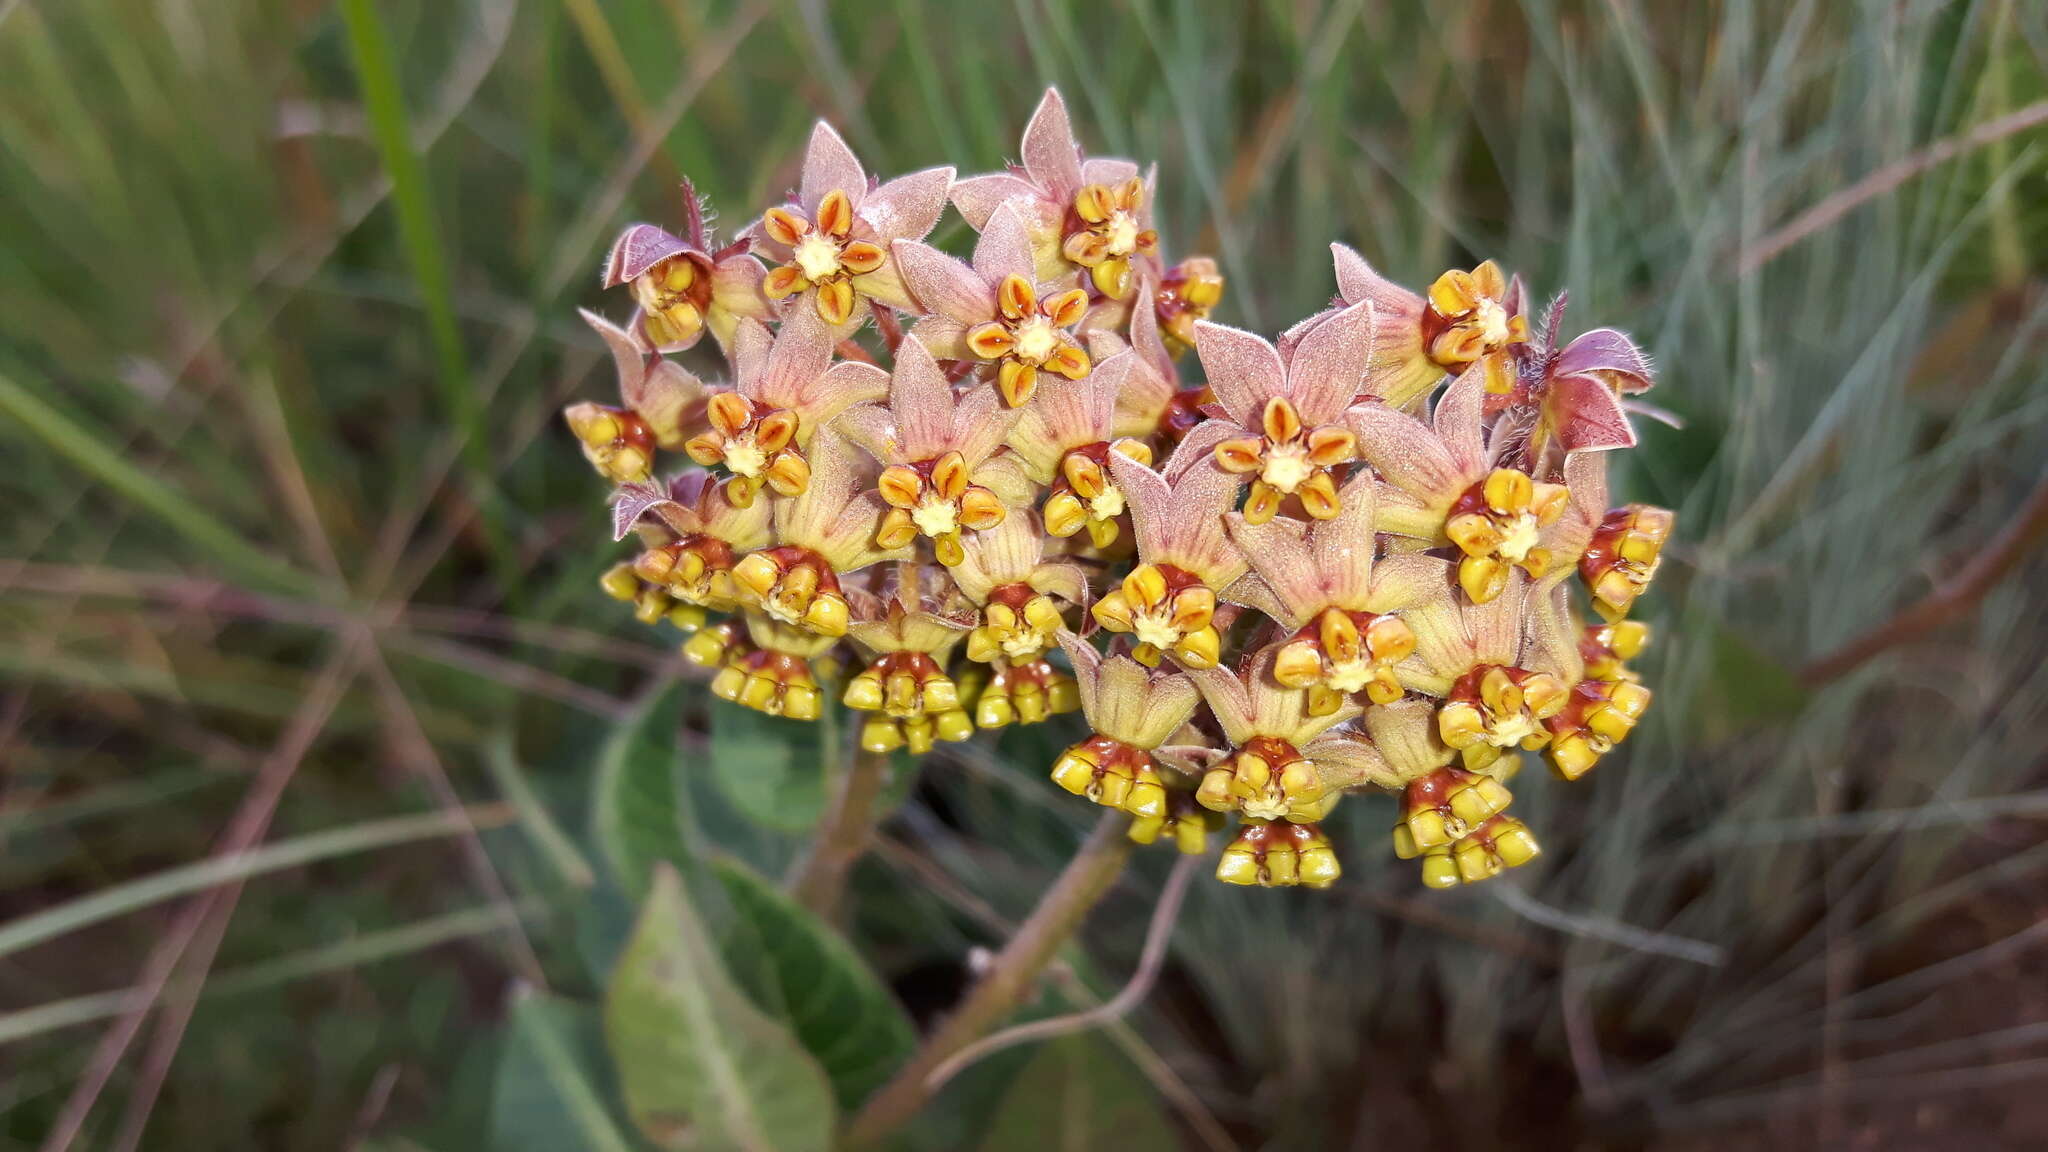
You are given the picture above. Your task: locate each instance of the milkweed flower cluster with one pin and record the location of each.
(1376, 554)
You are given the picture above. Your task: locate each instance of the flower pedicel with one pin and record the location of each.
(1375, 554)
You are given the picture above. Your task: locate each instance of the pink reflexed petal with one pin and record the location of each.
(1243, 370)
(1458, 416)
(638, 248)
(921, 400)
(1344, 543)
(751, 342)
(1062, 578)
(1292, 338)
(1110, 170)
(1105, 382)
(1050, 154)
(1279, 552)
(1087, 662)
(1405, 733)
(886, 288)
(1059, 418)
(1328, 366)
(1195, 539)
(830, 165)
(1145, 331)
(633, 501)
(838, 388)
(908, 207)
(736, 289)
(628, 357)
(1585, 415)
(942, 285)
(980, 423)
(800, 353)
(870, 428)
(1549, 641)
(1199, 446)
(1406, 452)
(1607, 354)
(1406, 579)
(1005, 247)
(1149, 497)
(665, 396)
(978, 197)
(1495, 627)
(1346, 761)
(1229, 701)
(1357, 282)
(944, 339)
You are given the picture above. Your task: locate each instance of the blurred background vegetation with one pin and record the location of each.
(295, 551)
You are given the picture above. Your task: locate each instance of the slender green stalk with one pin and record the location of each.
(152, 494)
(420, 235)
(119, 899)
(1010, 978)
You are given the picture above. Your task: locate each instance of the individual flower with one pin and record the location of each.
(1467, 320)
(1282, 422)
(705, 531)
(1087, 213)
(1186, 561)
(1018, 591)
(1451, 817)
(1023, 691)
(681, 286)
(1337, 612)
(937, 450)
(1606, 698)
(1132, 711)
(905, 683)
(820, 537)
(1151, 401)
(1278, 854)
(1449, 490)
(1617, 550)
(831, 244)
(1498, 689)
(785, 388)
(1579, 395)
(1185, 824)
(656, 403)
(1064, 440)
(1282, 755)
(773, 672)
(1188, 292)
(992, 312)
(1605, 649)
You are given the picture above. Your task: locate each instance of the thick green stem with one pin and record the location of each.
(1010, 978)
(843, 834)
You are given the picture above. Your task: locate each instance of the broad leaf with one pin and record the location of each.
(550, 1090)
(1077, 1094)
(796, 967)
(635, 816)
(771, 768)
(700, 1067)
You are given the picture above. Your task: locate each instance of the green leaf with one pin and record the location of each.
(635, 814)
(796, 967)
(700, 1066)
(549, 1093)
(1078, 1094)
(771, 768)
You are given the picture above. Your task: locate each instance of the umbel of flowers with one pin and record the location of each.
(1377, 554)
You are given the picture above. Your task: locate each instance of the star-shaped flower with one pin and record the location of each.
(831, 246)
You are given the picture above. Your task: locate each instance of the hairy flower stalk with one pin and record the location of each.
(1375, 552)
